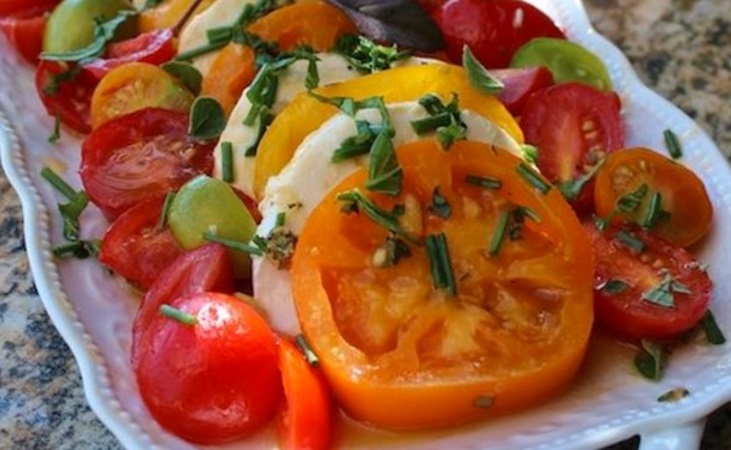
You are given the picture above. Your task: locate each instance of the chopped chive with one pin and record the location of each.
(280, 220)
(301, 341)
(79, 249)
(499, 234)
(650, 361)
(654, 211)
(629, 202)
(528, 212)
(630, 240)
(354, 200)
(439, 205)
(531, 177)
(56, 134)
(674, 395)
(199, 51)
(384, 172)
(485, 182)
(440, 263)
(450, 134)
(58, 183)
(219, 35)
(713, 332)
(431, 123)
(177, 315)
(530, 153)
(572, 188)
(227, 156)
(614, 287)
(663, 293)
(162, 221)
(232, 244)
(672, 143)
(265, 118)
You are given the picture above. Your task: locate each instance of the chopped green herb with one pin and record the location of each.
(673, 395)
(70, 213)
(572, 188)
(227, 164)
(431, 123)
(391, 252)
(650, 361)
(654, 213)
(56, 134)
(439, 205)
(186, 73)
(162, 221)
(354, 201)
(219, 35)
(384, 172)
(80, 249)
(663, 293)
(713, 332)
(366, 56)
(200, 51)
(630, 240)
(531, 177)
(207, 119)
(280, 219)
(478, 76)
(301, 341)
(672, 143)
(178, 315)
(530, 153)
(58, 183)
(498, 235)
(265, 119)
(232, 244)
(614, 287)
(440, 263)
(444, 119)
(485, 182)
(450, 134)
(629, 202)
(357, 145)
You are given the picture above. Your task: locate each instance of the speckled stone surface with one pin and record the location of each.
(681, 48)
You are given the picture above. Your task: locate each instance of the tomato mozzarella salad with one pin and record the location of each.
(365, 207)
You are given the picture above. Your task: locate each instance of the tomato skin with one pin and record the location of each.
(203, 269)
(626, 313)
(215, 381)
(555, 120)
(139, 156)
(25, 8)
(71, 102)
(133, 246)
(26, 34)
(683, 193)
(520, 84)
(305, 421)
(155, 47)
(488, 28)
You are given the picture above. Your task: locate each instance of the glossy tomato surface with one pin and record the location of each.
(630, 275)
(493, 30)
(574, 126)
(26, 8)
(25, 34)
(135, 247)
(139, 156)
(66, 94)
(520, 84)
(215, 380)
(155, 47)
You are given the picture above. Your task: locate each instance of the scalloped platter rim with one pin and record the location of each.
(93, 311)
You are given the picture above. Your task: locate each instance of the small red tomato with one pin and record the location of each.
(66, 94)
(214, 380)
(155, 47)
(645, 287)
(26, 34)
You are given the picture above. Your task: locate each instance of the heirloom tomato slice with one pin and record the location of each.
(646, 287)
(139, 156)
(672, 200)
(511, 333)
(155, 47)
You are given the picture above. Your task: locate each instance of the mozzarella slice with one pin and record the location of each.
(310, 175)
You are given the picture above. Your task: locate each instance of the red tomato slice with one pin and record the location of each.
(573, 125)
(135, 248)
(26, 8)
(155, 47)
(139, 156)
(520, 84)
(204, 269)
(627, 277)
(305, 422)
(213, 381)
(493, 30)
(65, 94)
(26, 35)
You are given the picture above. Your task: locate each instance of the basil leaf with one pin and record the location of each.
(478, 76)
(714, 335)
(207, 119)
(401, 22)
(186, 73)
(384, 173)
(650, 361)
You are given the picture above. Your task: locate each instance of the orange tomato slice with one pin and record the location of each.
(231, 71)
(682, 196)
(402, 354)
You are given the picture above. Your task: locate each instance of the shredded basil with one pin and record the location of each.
(366, 56)
(441, 263)
(651, 360)
(207, 119)
(479, 77)
(186, 73)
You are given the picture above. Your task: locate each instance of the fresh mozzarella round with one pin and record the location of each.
(331, 67)
(307, 178)
(222, 13)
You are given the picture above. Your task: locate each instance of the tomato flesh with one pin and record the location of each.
(25, 8)
(520, 84)
(65, 94)
(493, 30)
(574, 126)
(626, 312)
(155, 47)
(139, 156)
(26, 34)
(216, 380)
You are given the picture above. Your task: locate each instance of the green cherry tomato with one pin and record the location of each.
(567, 61)
(206, 204)
(71, 25)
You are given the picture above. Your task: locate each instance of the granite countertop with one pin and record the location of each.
(680, 48)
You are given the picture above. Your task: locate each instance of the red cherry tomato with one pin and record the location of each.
(203, 269)
(573, 125)
(627, 277)
(305, 422)
(216, 380)
(139, 156)
(25, 34)
(493, 30)
(135, 248)
(66, 94)
(521, 84)
(26, 8)
(155, 47)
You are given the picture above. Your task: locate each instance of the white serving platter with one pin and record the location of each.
(607, 403)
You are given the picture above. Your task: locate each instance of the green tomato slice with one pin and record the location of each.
(567, 61)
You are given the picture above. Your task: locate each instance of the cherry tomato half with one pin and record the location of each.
(681, 212)
(645, 287)
(520, 84)
(155, 47)
(139, 156)
(574, 126)
(135, 248)
(25, 34)
(215, 380)
(66, 94)
(493, 30)
(25, 8)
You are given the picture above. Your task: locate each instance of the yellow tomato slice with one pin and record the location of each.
(305, 113)
(402, 354)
